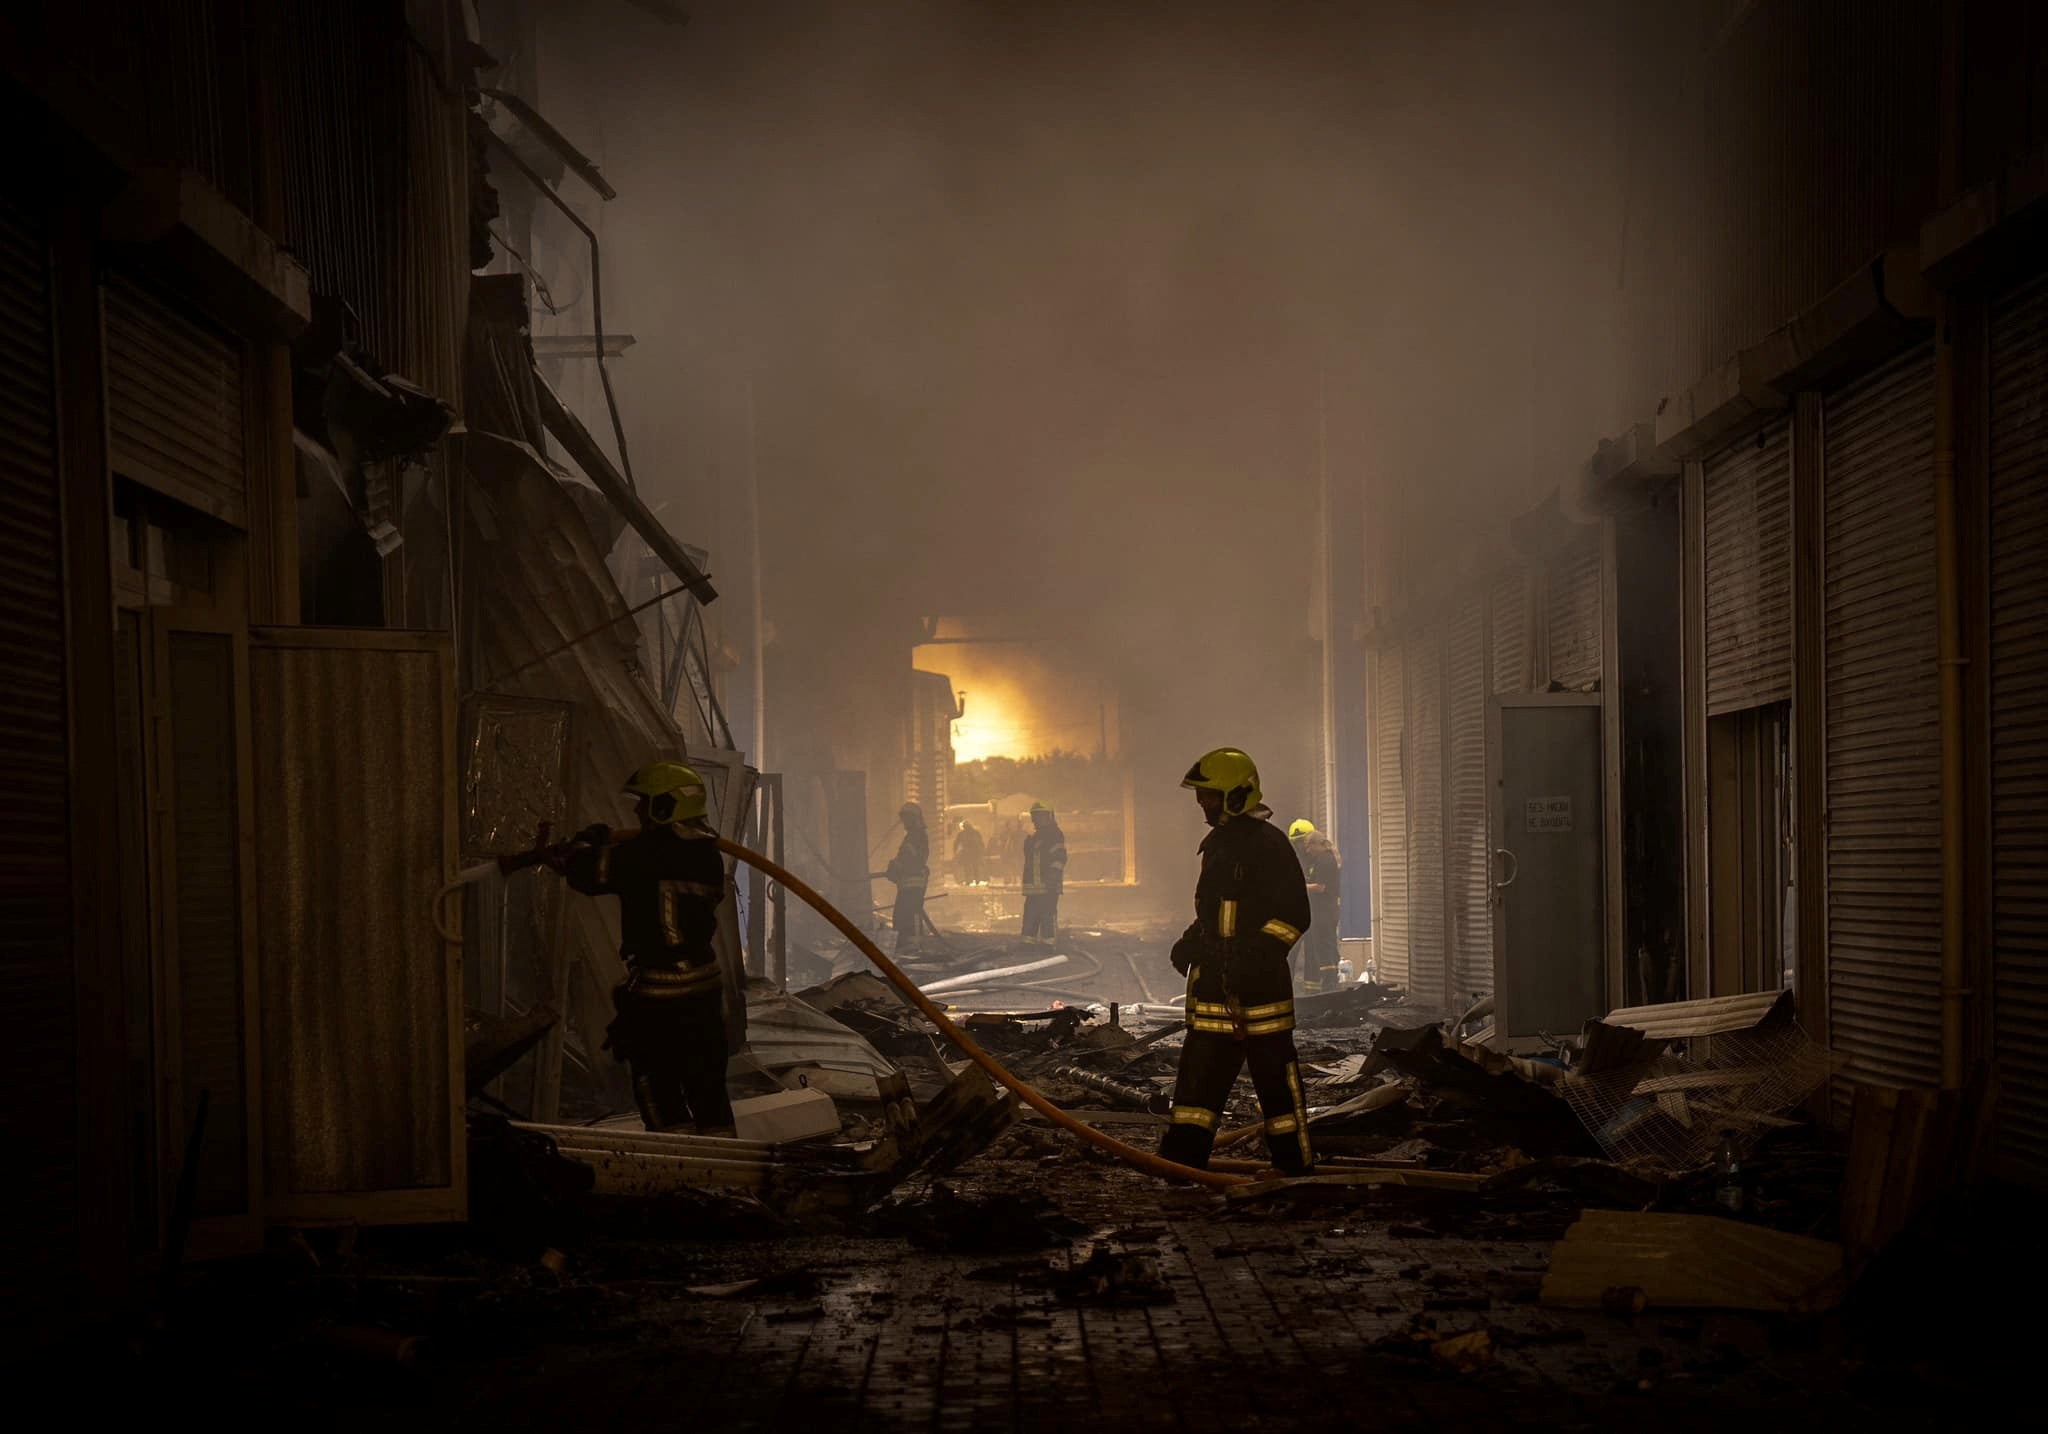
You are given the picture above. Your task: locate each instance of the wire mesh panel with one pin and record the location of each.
(1670, 1112)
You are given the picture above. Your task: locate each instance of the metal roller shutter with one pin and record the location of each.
(1749, 572)
(174, 403)
(2019, 724)
(1390, 820)
(38, 1092)
(1465, 844)
(1573, 615)
(1428, 966)
(1508, 630)
(1883, 799)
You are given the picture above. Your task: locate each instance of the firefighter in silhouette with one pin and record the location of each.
(911, 872)
(1251, 907)
(669, 879)
(1045, 876)
(1320, 868)
(968, 851)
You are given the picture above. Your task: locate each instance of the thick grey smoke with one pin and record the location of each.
(1055, 308)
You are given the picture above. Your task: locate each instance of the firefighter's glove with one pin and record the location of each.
(1187, 950)
(596, 834)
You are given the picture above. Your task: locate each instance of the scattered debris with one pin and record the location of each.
(1121, 1281)
(1691, 1262)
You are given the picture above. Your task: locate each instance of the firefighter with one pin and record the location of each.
(670, 1027)
(1251, 907)
(968, 851)
(911, 871)
(1320, 868)
(1045, 876)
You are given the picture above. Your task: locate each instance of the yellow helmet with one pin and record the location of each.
(1231, 772)
(674, 792)
(1300, 828)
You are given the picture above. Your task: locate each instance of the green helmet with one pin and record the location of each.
(674, 792)
(1301, 827)
(1231, 772)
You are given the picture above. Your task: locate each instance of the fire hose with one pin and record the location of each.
(1131, 1155)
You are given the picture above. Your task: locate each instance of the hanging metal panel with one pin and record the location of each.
(1508, 631)
(1883, 799)
(2019, 724)
(174, 403)
(1470, 912)
(1573, 615)
(1749, 572)
(361, 996)
(38, 1063)
(1428, 956)
(1390, 818)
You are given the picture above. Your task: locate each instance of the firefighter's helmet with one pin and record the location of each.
(1231, 772)
(1299, 828)
(674, 792)
(1037, 807)
(910, 814)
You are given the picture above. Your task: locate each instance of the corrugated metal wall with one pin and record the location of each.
(358, 997)
(1465, 844)
(1749, 572)
(175, 405)
(1573, 614)
(341, 70)
(1882, 726)
(1508, 631)
(1428, 958)
(2019, 722)
(1768, 151)
(1390, 817)
(38, 1061)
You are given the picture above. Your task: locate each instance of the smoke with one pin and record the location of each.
(1052, 311)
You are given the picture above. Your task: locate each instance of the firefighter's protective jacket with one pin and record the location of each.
(1045, 861)
(1251, 906)
(669, 881)
(912, 868)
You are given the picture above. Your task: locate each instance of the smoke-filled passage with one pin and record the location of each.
(960, 714)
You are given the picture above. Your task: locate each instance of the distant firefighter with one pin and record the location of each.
(671, 1013)
(1251, 907)
(1321, 869)
(1045, 876)
(911, 872)
(968, 852)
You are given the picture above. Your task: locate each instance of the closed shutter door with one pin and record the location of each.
(1749, 572)
(37, 1063)
(1428, 967)
(1390, 819)
(1465, 831)
(1508, 622)
(2019, 724)
(1883, 799)
(174, 403)
(1573, 616)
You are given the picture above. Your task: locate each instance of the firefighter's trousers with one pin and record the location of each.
(1209, 1063)
(1041, 915)
(676, 1048)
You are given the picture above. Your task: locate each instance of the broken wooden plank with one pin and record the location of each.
(1691, 1262)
